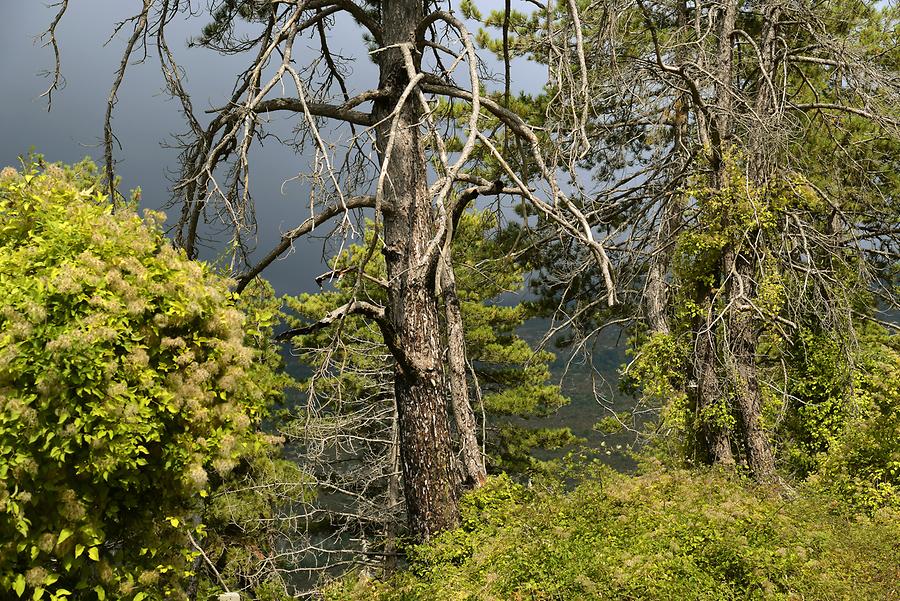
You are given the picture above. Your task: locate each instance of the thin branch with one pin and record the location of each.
(58, 80)
(355, 202)
(355, 307)
(826, 106)
(108, 136)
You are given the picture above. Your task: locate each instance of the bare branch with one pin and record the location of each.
(50, 34)
(356, 202)
(356, 307)
(826, 106)
(108, 136)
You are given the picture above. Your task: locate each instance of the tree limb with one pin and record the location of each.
(354, 202)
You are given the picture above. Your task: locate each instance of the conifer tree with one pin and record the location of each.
(346, 422)
(743, 159)
(391, 149)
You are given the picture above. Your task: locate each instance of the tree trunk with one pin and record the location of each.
(393, 495)
(656, 289)
(712, 439)
(742, 367)
(474, 473)
(412, 308)
(740, 265)
(724, 71)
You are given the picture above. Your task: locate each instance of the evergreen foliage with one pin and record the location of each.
(513, 377)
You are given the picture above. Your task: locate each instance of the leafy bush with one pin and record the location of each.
(254, 510)
(663, 535)
(126, 386)
(819, 387)
(863, 462)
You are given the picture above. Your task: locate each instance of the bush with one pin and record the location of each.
(862, 465)
(125, 386)
(664, 535)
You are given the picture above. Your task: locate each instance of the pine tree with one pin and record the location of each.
(346, 424)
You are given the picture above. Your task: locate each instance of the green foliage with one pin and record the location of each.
(126, 390)
(837, 421)
(244, 517)
(819, 381)
(219, 32)
(804, 350)
(732, 215)
(664, 535)
(245, 520)
(657, 374)
(863, 458)
(512, 375)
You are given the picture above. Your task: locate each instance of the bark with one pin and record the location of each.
(764, 100)
(743, 370)
(715, 439)
(740, 264)
(393, 495)
(656, 290)
(412, 310)
(473, 469)
(712, 439)
(724, 74)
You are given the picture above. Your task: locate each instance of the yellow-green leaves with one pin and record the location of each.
(19, 585)
(63, 536)
(125, 382)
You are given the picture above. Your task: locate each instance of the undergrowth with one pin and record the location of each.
(666, 534)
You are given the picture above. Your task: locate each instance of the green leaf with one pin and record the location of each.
(63, 535)
(94, 553)
(101, 593)
(19, 585)
(50, 579)
(79, 549)
(139, 596)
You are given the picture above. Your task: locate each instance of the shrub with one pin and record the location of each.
(664, 535)
(125, 387)
(863, 462)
